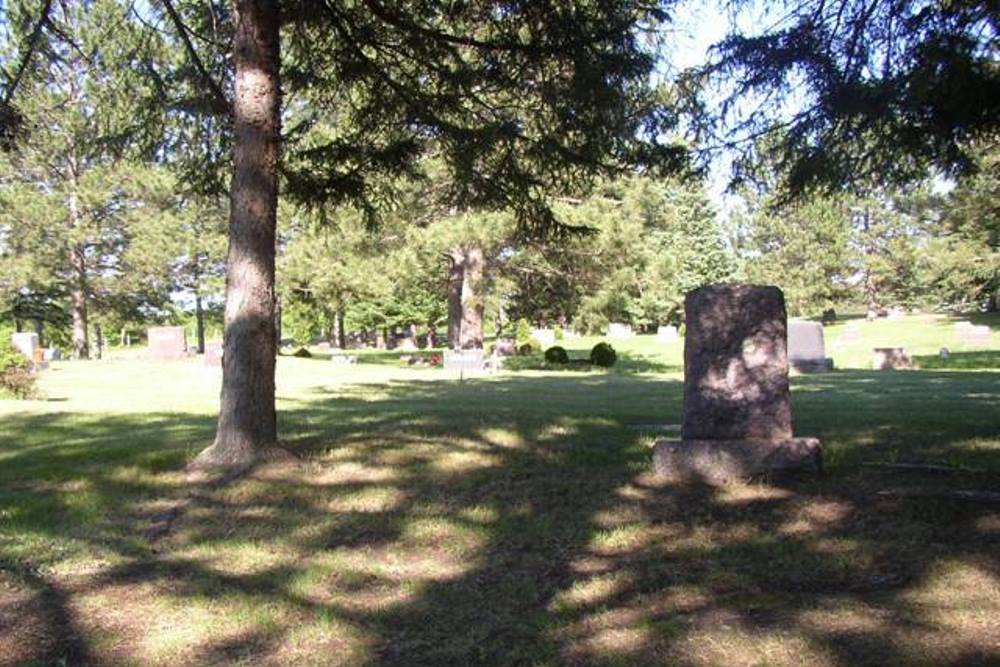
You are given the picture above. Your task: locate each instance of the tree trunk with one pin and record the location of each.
(456, 270)
(471, 334)
(78, 291)
(341, 334)
(247, 427)
(199, 323)
(40, 331)
(99, 340)
(870, 286)
(78, 305)
(431, 335)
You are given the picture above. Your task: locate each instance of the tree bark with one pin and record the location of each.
(471, 333)
(247, 427)
(99, 341)
(341, 334)
(40, 331)
(456, 271)
(199, 322)
(78, 266)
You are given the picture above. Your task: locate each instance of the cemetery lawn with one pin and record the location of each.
(507, 520)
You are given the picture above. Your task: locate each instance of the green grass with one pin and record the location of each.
(506, 520)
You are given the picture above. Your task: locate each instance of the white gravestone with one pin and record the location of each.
(463, 361)
(26, 343)
(667, 334)
(619, 330)
(547, 337)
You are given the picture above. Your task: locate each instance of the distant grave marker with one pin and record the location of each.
(619, 330)
(26, 343)
(852, 334)
(806, 351)
(891, 359)
(167, 343)
(547, 337)
(667, 334)
(213, 355)
(464, 361)
(737, 420)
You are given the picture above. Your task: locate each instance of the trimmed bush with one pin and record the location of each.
(302, 353)
(556, 355)
(526, 349)
(16, 376)
(603, 355)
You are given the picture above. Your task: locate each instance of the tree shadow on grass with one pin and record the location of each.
(512, 521)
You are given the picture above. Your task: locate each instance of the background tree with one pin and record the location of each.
(65, 193)
(870, 92)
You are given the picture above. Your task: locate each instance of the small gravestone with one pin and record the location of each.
(976, 335)
(891, 359)
(213, 355)
(806, 352)
(852, 334)
(619, 330)
(167, 342)
(26, 343)
(407, 344)
(896, 313)
(547, 337)
(463, 361)
(505, 348)
(667, 334)
(737, 421)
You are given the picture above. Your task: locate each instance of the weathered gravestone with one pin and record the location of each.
(891, 359)
(667, 334)
(26, 343)
(505, 347)
(213, 355)
(737, 421)
(619, 330)
(546, 337)
(464, 361)
(167, 342)
(806, 351)
(852, 334)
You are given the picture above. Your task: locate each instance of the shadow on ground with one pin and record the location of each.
(507, 521)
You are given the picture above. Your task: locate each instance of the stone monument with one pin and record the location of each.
(546, 337)
(666, 334)
(213, 355)
(891, 359)
(620, 330)
(464, 361)
(167, 342)
(806, 351)
(26, 343)
(737, 421)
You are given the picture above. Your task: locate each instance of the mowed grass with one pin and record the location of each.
(506, 520)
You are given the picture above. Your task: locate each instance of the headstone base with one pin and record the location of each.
(812, 365)
(720, 462)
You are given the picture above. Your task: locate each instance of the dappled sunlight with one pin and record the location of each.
(509, 520)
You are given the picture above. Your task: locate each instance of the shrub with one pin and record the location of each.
(558, 333)
(523, 331)
(302, 353)
(556, 355)
(603, 355)
(16, 376)
(526, 349)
